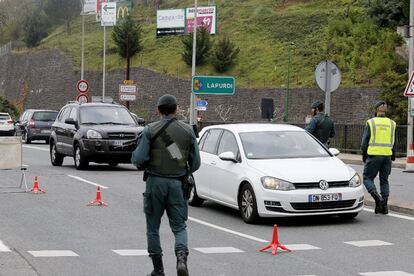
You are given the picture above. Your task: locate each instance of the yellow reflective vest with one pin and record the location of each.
(382, 136)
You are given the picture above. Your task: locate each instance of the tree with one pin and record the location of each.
(34, 28)
(394, 85)
(203, 47)
(389, 13)
(63, 11)
(225, 54)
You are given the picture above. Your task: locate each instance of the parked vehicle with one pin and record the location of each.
(269, 170)
(35, 124)
(93, 132)
(6, 124)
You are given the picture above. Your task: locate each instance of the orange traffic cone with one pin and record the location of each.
(98, 199)
(36, 189)
(275, 244)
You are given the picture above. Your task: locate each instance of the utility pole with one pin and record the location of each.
(193, 98)
(410, 69)
(286, 113)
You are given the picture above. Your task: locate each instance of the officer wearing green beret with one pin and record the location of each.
(378, 152)
(321, 126)
(169, 152)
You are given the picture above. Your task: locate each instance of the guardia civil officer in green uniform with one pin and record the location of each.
(378, 152)
(321, 126)
(169, 151)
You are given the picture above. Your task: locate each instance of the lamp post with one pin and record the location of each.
(410, 70)
(193, 67)
(286, 113)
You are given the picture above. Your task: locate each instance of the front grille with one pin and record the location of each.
(323, 205)
(313, 185)
(121, 135)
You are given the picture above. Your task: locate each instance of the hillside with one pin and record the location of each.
(263, 30)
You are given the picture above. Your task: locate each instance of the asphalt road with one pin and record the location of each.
(36, 230)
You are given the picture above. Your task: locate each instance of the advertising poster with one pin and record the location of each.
(206, 17)
(170, 22)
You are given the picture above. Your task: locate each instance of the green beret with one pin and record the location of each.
(167, 100)
(379, 103)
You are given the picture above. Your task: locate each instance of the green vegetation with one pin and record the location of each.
(203, 47)
(225, 54)
(6, 106)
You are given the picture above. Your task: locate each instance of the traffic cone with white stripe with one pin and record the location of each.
(275, 244)
(36, 189)
(409, 166)
(98, 199)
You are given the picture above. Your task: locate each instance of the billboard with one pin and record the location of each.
(170, 22)
(124, 8)
(206, 16)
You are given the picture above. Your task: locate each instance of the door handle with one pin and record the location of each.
(213, 163)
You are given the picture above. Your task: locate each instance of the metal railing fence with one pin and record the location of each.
(5, 49)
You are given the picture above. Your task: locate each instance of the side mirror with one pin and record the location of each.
(71, 121)
(334, 151)
(141, 121)
(228, 156)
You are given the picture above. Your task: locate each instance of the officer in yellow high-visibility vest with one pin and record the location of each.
(378, 152)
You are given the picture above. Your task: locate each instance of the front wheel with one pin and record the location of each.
(247, 204)
(55, 158)
(80, 160)
(194, 199)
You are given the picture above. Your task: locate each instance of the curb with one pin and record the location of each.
(359, 162)
(395, 206)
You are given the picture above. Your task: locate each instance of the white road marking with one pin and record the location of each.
(53, 253)
(36, 148)
(391, 214)
(131, 252)
(3, 247)
(87, 181)
(386, 273)
(368, 243)
(297, 247)
(227, 230)
(215, 250)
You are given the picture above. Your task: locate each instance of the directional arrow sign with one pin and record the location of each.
(213, 85)
(108, 14)
(202, 103)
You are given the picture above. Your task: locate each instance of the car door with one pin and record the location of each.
(227, 173)
(208, 149)
(71, 130)
(60, 130)
(20, 123)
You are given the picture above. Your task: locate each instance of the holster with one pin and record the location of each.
(187, 183)
(145, 175)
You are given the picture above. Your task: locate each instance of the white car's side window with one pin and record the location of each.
(228, 143)
(210, 143)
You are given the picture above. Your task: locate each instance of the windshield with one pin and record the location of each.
(45, 116)
(105, 115)
(280, 144)
(4, 116)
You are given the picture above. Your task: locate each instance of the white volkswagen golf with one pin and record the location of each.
(270, 170)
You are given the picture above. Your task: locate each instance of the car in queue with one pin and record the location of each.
(6, 124)
(274, 170)
(35, 124)
(93, 132)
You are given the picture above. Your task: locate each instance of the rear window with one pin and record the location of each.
(4, 116)
(44, 116)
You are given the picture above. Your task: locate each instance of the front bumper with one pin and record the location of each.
(296, 202)
(105, 151)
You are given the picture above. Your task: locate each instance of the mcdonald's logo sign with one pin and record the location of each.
(122, 10)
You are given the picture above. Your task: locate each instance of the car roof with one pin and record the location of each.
(4, 113)
(95, 104)
(254, 127)
(42, 110)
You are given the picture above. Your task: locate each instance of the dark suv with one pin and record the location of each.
(35, 124)
(93, 132)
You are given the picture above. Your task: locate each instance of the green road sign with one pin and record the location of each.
(213, 85)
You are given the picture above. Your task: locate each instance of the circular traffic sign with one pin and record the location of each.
(82, 86)
(82, 98)
(328, 76)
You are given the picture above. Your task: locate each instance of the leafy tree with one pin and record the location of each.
(127, 37)
(203, 47)
(389, 13)
(63, 11)
(6, 106)
(34, 28)
(394, 85)
(225, 54)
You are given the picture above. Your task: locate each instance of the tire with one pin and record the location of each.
(80, 160)
(247, 204)
(194, 199)
(348, 216)
(55, 158)
(26, 139)
(113, 164)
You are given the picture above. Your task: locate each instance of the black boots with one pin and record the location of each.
(379, 202)
(182, 263)
(385, 206)
(158, 266)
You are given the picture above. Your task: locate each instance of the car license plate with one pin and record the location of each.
(117, 143)
(46, 131)
(325, 197)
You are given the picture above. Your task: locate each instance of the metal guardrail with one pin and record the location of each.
(5, 49)
(348, 137)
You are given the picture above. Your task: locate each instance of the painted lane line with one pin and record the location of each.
(87, 181)
(36, 148)
(227, 230)
(297, 247)
(131, 252)
(368, 243)
(391, 214)
(386, 273)
(3, 247)
(53, 253)
(218, 250)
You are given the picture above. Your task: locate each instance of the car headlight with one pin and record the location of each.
(93, 134)
(272, 183)
(355, 181)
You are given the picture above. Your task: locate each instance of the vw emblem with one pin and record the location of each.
(121, 135)
(323, 184)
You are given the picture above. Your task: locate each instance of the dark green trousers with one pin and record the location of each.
(161, 194)
(373, 165)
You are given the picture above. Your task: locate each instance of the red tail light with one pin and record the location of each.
(10, 122)
(31, 123)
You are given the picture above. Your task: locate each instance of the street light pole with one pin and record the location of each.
(193, 67)
(410, 69)
(286, 112)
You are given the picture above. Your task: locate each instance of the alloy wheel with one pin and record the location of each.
(247, 203)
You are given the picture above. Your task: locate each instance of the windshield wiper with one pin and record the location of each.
(112, 123)
(89, 123)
